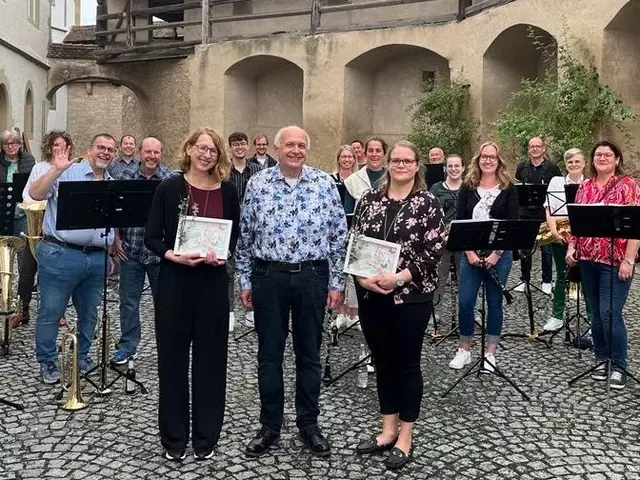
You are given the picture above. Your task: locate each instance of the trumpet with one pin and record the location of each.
(72, 385)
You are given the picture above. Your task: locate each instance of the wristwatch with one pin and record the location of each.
(399, 281)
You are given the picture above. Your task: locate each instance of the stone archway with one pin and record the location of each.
(262, 93)
(5, 108)
(382, 84)
(621, 57)
(510, 58)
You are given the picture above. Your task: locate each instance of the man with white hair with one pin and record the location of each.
(290, 256)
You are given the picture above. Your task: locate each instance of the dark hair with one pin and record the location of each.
(123, 137)
(385, 147)
(357, 140)
(46, 147)
(454, 155)
(105, 135)
(260, 135)
(238, 137)
(418, 183)
(616, 151)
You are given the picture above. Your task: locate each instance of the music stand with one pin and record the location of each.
(433, 173)
(606, 221)
(482, 236)
(105, 205)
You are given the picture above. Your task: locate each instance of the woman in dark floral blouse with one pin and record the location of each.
(395, 307)
(609, 185)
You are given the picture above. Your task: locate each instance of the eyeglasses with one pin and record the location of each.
(489, 158)
(406, 162)
(102, 149)
(204, 149)
(11, 144)
(607, 155)
(238, 144)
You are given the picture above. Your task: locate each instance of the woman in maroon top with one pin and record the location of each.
(192, 306)
(609, 185)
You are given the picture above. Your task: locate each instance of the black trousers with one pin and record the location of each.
(275, 295)
(27, 268)
(395, 334)
(191, 312)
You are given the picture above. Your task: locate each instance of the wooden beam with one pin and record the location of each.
(315, 16)
(260, 16)
(370, 4)
(128, 26)
(160, 26)
(205, 32)
(149, 47)
(462, 9)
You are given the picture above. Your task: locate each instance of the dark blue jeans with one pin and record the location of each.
(132, 275)
(596, 281)
(275, 295)
(471, 277)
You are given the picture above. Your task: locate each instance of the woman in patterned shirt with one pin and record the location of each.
(487, 193)
(609, 185)
(394, 307)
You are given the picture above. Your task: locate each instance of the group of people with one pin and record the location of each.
(288, 246)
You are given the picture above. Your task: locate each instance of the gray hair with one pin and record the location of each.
(11, 135)
(572, 152)
(276, 140)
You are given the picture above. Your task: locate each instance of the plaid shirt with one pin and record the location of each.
(133, 238)
(118, 166)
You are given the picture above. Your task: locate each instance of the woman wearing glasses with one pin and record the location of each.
(394, 307)
(486, 193)
(192, 305)
(609, 185)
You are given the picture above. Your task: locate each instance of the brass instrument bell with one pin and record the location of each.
(72, 385)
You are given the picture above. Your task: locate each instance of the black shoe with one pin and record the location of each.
(200, 456)
(397, 458)
(175, 455)
(315, 441)
(372, 446)
(264, 439)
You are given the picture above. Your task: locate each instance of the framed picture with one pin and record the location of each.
(200, 234)
(367, 257)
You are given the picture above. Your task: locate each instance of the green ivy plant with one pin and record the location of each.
(441, 117)
(568, 105)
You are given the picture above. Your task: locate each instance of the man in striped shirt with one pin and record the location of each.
(241, 172)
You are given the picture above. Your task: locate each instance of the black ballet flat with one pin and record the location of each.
(372, 446)
(397, 458)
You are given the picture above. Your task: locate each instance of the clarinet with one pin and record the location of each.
(507, 294)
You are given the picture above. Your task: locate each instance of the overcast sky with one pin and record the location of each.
(88, 12)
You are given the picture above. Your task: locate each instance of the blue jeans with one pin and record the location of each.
(596, 281)
(132, 275)
(66, 274)
(471, 277)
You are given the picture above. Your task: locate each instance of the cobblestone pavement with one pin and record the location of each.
(482, 430)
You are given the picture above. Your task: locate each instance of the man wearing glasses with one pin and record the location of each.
(241, 171)
(537, 168)
(70, 262)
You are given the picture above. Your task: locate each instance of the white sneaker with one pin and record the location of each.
(370, 368)
(489, 362)
(462, 358)
(520, 288)
(232, 321)
(546, 288)
(553, 324)
(248, 319)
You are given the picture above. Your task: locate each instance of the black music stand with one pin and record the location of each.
(606, 221)
(105, 205)
(433, 173)
(529, 196)
(482, 236)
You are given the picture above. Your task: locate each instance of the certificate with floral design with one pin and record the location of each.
(201, 234)
(368, 257)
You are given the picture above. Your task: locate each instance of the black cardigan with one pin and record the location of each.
(504, 207)
(25, 164)
(162, 222)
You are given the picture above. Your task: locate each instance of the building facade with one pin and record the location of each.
(354, 72)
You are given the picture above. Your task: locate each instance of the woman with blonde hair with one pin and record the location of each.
(486, 193)
(192, 305)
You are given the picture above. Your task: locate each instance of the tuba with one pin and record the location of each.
(9, 248)
(72, 385)
(35, 218)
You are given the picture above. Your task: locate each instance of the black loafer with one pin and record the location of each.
(397, 458)
(372, 446)
(263, 441)
(315, 441)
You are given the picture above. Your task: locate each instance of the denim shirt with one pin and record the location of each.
(292, 224)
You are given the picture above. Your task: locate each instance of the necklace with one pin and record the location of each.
(194, 206)
(387, 230)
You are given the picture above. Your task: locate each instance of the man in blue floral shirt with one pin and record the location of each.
(290, 256)
(136, 260)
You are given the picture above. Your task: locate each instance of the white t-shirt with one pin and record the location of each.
(556, 200)
(38, 170)
(483, 207)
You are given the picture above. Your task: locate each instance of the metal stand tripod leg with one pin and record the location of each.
(362, 361)
(11, 404)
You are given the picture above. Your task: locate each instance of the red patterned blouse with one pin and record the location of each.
(619, 190)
